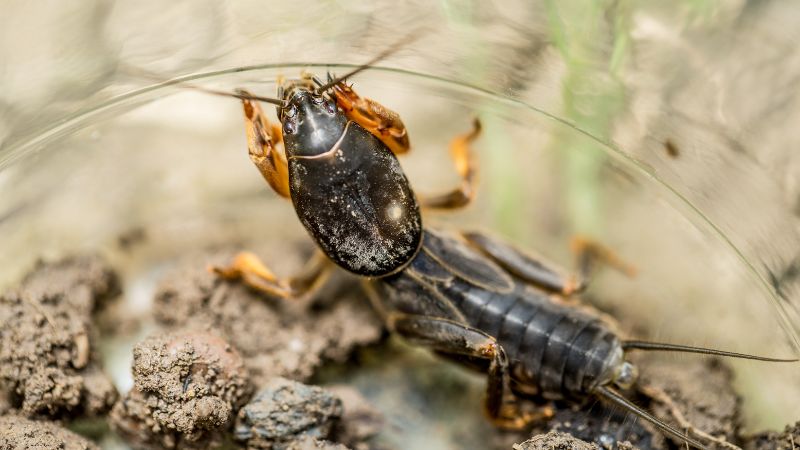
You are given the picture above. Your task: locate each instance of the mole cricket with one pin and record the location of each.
(469, 296)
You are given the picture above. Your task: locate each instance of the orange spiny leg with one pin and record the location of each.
(264, 144)
(464, 193)
(248, 268)
(384, 123)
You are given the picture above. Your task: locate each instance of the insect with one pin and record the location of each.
(467, 295)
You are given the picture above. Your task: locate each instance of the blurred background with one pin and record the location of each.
(666, 130)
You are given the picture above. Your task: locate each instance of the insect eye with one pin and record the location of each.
(289, 127)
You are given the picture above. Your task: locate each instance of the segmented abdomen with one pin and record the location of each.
(556, 349)
(561, 351)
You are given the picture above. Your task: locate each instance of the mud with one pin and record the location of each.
(187, 387)
(285, 411)
(604, 426)
(702, 390)
(275, 337)
(789, 439)
(48, 357)
(18, 433)
(555, 441)
(194, 382)
(292, 339)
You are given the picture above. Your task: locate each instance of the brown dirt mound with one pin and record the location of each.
(48, 363)
(18, 433)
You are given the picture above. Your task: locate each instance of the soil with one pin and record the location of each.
(187, 387)
(221, 342)
(48, 358)
(702, 390)
(19, 433)
(555, 441)
(275, 337)
(606, 427)
(789, 439)
(251, 336)
(284, 411)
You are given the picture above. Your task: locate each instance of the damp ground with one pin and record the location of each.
(215, 365)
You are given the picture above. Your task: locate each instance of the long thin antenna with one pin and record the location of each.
(241, 95)
(405, 40)
(626, 404)
(657, 346)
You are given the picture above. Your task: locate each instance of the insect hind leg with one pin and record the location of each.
(543, 274)
(458, 340)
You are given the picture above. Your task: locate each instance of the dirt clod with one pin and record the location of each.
(187, 387)
(702, 391)
(555, 441)
(285, 410)
(190, 383)
(605, 426)
(18, 433)
(789, 439)
(132, 418)
(47, 360)
(276, 337)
